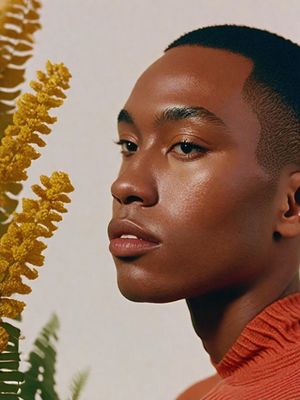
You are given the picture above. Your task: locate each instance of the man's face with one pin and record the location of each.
(207, 202)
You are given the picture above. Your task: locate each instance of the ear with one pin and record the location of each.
(288, 221)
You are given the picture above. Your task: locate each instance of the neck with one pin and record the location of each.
(219, 318)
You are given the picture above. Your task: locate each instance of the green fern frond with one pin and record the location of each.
(78, 384)
(11, 378)
(40, 376)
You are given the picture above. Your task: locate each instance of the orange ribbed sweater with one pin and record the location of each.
(264, 362)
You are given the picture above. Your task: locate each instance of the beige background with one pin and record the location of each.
(136, 351)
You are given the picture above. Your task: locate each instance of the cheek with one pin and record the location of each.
(217, 192)
(215, 228)
(197, 202)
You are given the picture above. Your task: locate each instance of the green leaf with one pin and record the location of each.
(11, 378)
(78, 383)
(40, 376)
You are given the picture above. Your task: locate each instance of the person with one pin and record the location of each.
(206, 205)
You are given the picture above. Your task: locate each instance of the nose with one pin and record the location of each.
(135, 185)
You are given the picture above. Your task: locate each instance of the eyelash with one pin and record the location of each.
(185, 141)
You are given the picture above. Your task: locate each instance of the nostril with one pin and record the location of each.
(134, 189)
(131, 199)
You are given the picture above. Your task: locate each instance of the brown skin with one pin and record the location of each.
(215, 212)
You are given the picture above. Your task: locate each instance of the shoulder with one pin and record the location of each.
(199, 389)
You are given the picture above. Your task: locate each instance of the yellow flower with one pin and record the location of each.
(20, 246)
(4, 336)
(30, 120)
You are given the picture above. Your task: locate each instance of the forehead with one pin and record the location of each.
(196, 76)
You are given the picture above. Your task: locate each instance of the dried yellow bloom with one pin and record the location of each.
(20, 246)
(30, 120)
(4, 336)
(10, 308)
(19, 20)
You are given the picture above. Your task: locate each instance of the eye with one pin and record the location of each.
(189, 149)
(186, 148)
(126, 146)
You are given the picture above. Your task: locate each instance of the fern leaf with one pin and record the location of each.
(11, 378)
(19, 19)
(78, 384)
(40, 376)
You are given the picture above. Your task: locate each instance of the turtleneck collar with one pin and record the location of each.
(271, 335)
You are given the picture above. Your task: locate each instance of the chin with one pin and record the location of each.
(147, 291)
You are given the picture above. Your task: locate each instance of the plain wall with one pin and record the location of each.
(135, 350)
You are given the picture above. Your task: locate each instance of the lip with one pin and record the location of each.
(126, 247)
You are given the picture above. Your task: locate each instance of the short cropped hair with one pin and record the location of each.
(272, 89)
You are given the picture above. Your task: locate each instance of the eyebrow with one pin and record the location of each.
(178, 113)
(124, 116)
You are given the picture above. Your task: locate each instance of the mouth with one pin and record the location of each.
(127, 239)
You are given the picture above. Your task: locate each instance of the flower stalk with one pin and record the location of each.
(20, 247)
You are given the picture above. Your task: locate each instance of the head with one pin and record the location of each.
(211, 165)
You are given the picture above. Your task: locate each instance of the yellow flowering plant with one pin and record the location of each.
(24, 118)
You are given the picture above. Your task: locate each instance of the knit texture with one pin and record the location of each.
(264, 362)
